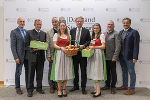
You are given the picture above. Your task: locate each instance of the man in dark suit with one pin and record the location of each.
(82, 36)
(129, 55)
(17, 37)
(36, 58)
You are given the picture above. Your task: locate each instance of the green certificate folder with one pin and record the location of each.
(87, 53)
(38, 45)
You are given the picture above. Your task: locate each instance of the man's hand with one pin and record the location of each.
(35, 49)
(49, 59)
(134, 60)
(17, 61)
(114, 59)
(82, 47)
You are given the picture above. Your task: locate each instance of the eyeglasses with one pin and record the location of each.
(79, 21)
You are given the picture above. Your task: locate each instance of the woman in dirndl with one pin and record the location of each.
(62, 68)
(96, 66)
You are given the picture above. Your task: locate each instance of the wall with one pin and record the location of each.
(1, 42)
(94, 11)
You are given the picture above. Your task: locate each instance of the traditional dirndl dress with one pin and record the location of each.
(96, 66)
(62, 67)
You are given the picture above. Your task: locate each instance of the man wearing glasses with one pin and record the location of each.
(82, 36)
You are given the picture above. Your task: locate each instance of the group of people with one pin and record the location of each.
(109, 47)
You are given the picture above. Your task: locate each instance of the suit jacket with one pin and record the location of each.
(17, 44)
(33, 35)
(131, 44)
(49, 39)
(113, 45)
(85, 37)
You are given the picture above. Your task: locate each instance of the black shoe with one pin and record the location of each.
(40, 91)
(65, 95)
(113, 90)
(97, 95)
(19, 91)
(74, 88)
(105, 87)
(60, 95)
(29, 94)
(93, 92)
(84, 91)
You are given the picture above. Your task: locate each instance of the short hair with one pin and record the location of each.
(127, 19)
(37, 20)
(80, 17)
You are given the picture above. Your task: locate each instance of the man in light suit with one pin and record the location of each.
(50, 51)
(82, 36)
(129, 55)
(17, 37)
(113, 47)
(36, 58)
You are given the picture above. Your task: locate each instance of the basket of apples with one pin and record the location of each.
(71, 50)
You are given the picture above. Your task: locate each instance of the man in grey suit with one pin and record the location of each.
(36, 57)
(113, 47)
(50, 51)
(17, 37)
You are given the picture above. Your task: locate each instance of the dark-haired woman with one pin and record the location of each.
(96, 67)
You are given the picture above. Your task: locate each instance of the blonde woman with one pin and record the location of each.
(62, 64)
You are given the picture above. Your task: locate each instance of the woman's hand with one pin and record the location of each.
(91, 47)
(63, 49)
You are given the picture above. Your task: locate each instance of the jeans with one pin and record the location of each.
(18, 73)
(128, 66)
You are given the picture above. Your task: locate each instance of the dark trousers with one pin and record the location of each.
(83, 65)
(111, 74)
(51, 82)
(37, 66)
(19, 71)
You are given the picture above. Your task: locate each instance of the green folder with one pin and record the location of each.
(38, 45)
(87, 53)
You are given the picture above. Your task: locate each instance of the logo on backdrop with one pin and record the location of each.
(10, 0)
(43, 9)
(111, 9)
(32, 0)
(11, 20)
(88, 9)
(123, 0)
(21, 9)
(65, 9)
(144, 61)
(134, 9)
(145, 19)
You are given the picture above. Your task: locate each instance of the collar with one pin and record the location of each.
(20, 28)
(37, 31)
(80, 29)
(126, 29)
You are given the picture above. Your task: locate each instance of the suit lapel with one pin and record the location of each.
(82, 33)
(19, 33)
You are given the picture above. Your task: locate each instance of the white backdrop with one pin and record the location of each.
(94, 11)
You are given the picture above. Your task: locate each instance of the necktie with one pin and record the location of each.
(107, 36)
(23, 34)
(78, 36)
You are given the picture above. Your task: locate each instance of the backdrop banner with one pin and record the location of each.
(94, 11)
